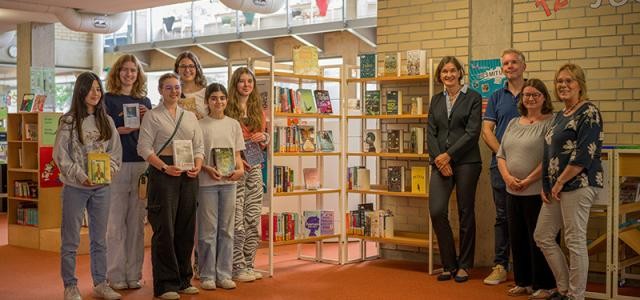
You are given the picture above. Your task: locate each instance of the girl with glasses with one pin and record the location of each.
(193, 81)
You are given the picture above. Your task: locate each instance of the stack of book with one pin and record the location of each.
(369, 222)
(286, 226)
(282, 179)
(302, 138)
(27, 214)
(25, 188)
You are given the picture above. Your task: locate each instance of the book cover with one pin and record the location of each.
(27, 102)
(419, 180)
(395, 141)
(99, 167)
(252, 153)
(417, 140)
(49, 171)
(372, 103)
(223, 160)
(307, 138)
(188, 104)
(38, 103)
(367, 65)
(363, 179)
(372, 141)
(392, 64)
(307, 101)
(30, 132)
(394, 102)
(183, 154)
(311, 221)
(131, 115)
(395, 179)
(326, 222)
(323, 101)
(416, 62)
(305, 60)
(311, 178)
(416, 105)
(354, 107)
(629, 188)
(325, 141)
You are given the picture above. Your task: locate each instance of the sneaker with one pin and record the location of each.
(226, 284)
(134, 284)
(104, 291)
(255, 274)
(498, 276)
(208, 284)
(170, 296)
(192, 290)
(119, 285)
(518, 291)
(72, 293)
(244, 276)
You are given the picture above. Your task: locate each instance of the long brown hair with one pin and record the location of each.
(78, 111)
(200, 79)
(254, 106)
(114, 85)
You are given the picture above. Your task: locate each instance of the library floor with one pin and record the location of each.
(32, 274)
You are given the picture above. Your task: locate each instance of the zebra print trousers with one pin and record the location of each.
(247, 218)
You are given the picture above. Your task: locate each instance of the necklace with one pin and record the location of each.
(568, 110)
(452, 97)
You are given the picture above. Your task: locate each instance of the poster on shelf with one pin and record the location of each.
(49, 128)
(486, 77)
(49, 172)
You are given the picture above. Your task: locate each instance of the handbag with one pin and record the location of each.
(143, 179)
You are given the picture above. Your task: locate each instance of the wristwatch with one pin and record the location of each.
(164, 168)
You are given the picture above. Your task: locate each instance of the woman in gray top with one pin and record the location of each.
(519, 162)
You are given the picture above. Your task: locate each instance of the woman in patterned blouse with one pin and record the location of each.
(571, 179)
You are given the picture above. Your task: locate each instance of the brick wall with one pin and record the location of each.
(64, 33)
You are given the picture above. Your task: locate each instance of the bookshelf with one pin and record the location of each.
(359, 124)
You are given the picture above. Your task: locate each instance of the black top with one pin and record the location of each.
(114, 109)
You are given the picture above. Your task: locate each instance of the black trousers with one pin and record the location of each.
(464, 179)
(172, 215)
(530, 268)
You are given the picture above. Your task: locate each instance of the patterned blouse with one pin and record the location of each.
(574, 140)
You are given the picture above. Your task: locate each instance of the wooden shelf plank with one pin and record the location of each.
(22, 141)
(291, 76)
(23, 199)
(387, 193)
(23, 170)
(306, 192)
(303, 115)
(400, 238)
(389, 154)
(629, 207)
(390, 79)
(306, 153)
(306, 240)
(406, 116)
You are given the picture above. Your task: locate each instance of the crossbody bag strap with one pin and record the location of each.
(173, 134)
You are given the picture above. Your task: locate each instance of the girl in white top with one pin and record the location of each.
(193, 81)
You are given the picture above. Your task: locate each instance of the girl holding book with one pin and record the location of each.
(171, 206)
(223, 167)
(193, 81)
(126, 85)
(84, 129)
(245, 106)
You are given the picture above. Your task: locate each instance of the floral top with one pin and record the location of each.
(574, 140)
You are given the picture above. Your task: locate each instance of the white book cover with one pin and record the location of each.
(183, 154)
(416, 105)
(131, 115)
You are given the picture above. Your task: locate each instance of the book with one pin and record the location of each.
(372, 103)
(392, 64)
(307, 101)
(395, 179)
(27, 102)
(183, 154)
(311, 221)
(326, 222)
(417, 140)
(416, 105)
(419, 180)
(305, 60)
(354, 106)
(394, 102)
(325, 141)
(416, 62)
(252, 153)
(364, 180)
(372, 141)
(307, 138)
(38, 103)
(30, 132)
(311, 178)
(323, 101)
(223, 159)
(131, 115)
(188, 104)
(395, 141)
(99, 167)
(368, 65)
(629, 189)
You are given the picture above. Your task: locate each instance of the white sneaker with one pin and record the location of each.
(134, 284)
(104, 291)
(208, 284)
(72, 293)
(170, 296)
(119, 285)
(497, 276)
(226, 284)
(192, 290)
(255, 274)
(244, 276)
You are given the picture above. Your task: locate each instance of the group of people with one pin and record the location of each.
(218, 213)
(545, 174)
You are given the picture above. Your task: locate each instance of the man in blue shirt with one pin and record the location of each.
(501, 108)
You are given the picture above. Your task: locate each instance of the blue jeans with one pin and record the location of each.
(74, 201)
(215, 216)
(501, 227)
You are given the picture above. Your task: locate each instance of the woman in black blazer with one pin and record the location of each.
(455, 119)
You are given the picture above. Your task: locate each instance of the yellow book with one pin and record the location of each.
(188, 104)
(419, 180)
(99, 168)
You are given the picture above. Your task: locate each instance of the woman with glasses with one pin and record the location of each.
(172, 192)
(520, 163)
(572, 177)
(193, 81)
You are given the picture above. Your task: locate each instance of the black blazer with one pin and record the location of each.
(457, 135)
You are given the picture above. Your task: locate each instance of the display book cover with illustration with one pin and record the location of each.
(317, 223)
(372, 103)
(323, 101)
(99, 167)
(395, 141)
(325, 141)
(223, 159)
(131, 115)
(252, 153)
(188, 104)
(305, 60)
(311, 178)
(372, 142)
(183, 154)
(307, 138)
(395, 179)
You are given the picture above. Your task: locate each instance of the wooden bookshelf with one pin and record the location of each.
(384, 192)
(305, 116)
(307, 240)
(300, 192)
(386, 117)
(390, 79)
(390, 154)
(306, 153)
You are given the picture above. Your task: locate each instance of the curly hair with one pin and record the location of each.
(114, 84)
(254, 118)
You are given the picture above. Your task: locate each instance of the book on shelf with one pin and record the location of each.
(325, 141)
(183, 155)
(282, 179)
(188, 104)
(224, 160)
(131, 115)
(252, 153)
(307, 138)
(395, 141)
(311, 221)
(394, 102)
(27, 102)
(307, 101)
(327, 226)
(372, 141)
(354, 106)
(358, 178)
(305, 60)
(25, 188)
(417, 140)
(629, 191)
(368, 65)
(416, 62)
(38, 103)
(99, 167)
(416, 105)
(369, 222)
(311, 178)
(323, 101)
(395, 179)
(372, 103)
(30, 132)
(419, 180)
(286, 226)
(392, 64)
(27, 214)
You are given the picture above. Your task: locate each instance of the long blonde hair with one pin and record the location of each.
(254, 118)
(114, 85)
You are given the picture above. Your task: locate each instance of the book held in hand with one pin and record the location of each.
(131, 115)
(183, 155)
(223, 160)
(325, 141)
(252, 153)
(323, 101)
(188, 104)
(99, 167)
(311, 178)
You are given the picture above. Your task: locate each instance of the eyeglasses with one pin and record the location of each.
(186, 67)
(170, 88)
(567, 81)
(531, 95)
(220, 99)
